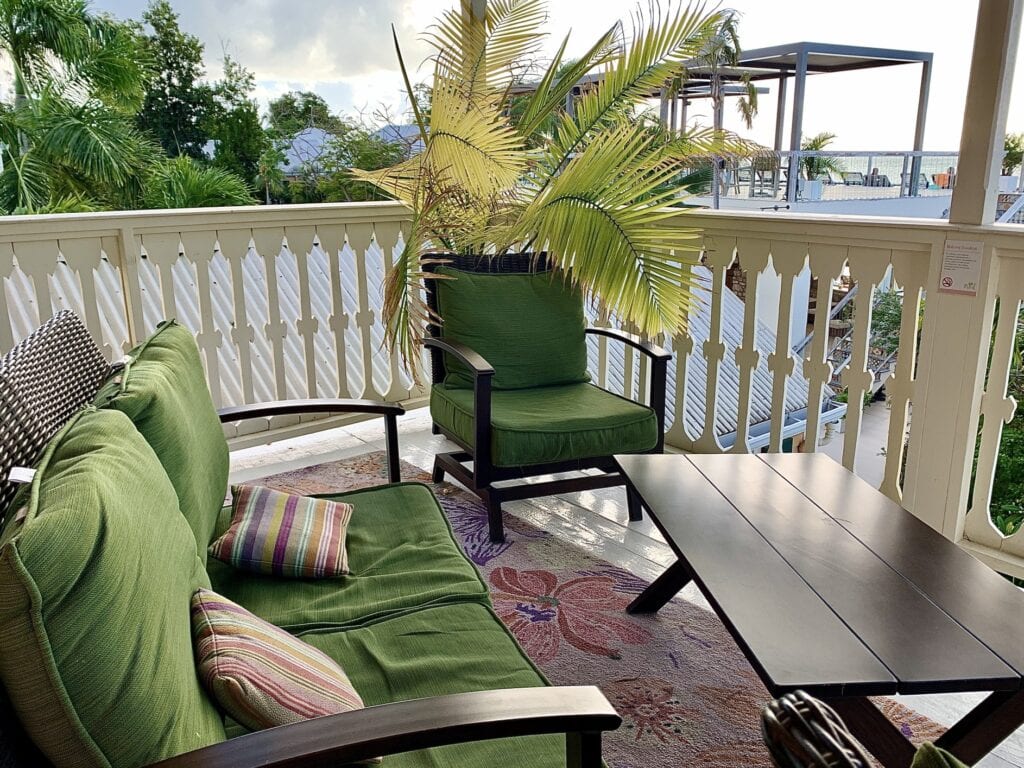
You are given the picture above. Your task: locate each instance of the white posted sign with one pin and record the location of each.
(961, 267)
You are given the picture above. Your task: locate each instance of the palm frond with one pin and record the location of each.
(486, 57)
(659, 48)
(554, 86)
(603, 219)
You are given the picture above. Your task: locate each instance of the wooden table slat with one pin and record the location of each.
(925, 649)
(974, 595)
(768, 608)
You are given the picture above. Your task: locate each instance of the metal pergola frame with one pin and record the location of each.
(796, 61)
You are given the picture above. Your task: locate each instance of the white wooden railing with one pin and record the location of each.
(285, 302)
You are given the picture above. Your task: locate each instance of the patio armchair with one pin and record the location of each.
(511, 388)
(852, 178)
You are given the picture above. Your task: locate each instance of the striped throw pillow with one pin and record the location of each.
(281, 534)
(259, 674)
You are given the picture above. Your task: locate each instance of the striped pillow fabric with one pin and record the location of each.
(281, 534)
(259, 674)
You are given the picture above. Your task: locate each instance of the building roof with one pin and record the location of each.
(305, 149)
(727, 410)
(406, 135)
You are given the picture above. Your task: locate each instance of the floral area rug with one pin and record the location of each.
(686, 694)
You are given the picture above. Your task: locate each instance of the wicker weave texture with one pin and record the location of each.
(43, 381)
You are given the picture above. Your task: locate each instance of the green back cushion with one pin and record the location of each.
(163, 390)
(95, 586)
(930, 756)
(528, 326)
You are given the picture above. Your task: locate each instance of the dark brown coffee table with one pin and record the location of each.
(828, 586)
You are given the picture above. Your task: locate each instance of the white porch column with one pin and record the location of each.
(957, 328)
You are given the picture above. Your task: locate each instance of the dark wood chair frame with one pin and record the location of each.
(582, 713)
(481, 478)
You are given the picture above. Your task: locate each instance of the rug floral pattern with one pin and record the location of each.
(686, 694)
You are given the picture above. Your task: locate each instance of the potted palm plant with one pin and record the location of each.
(817, 168)
(589, 186)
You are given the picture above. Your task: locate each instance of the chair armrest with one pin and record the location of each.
(390, 412)
(409, 725)
(476, 364)
(653, 351)
(482, 372)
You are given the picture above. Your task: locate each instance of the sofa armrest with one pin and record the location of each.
(580, 712)
(653, 351)
(390, 412)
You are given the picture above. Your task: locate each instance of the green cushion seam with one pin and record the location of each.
(125, 372)
(471, 415)
(49, 663)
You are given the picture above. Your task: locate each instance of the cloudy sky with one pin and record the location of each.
(342, 49)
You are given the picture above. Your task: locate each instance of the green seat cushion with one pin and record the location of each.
(529, 327)
(401, 555)
(439, 651)
(548, 424)
(95, 587)
(163, 390)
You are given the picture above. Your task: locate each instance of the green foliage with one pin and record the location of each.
(819, 166)
(293, 111)
(886, 321)
(62, 42)
(269, 176)
(178, 104)
(183, 183)
(235, 123)
(1013, 152)
(356, 147)
(591, 191)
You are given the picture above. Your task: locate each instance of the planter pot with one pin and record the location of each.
(1008, 183)
(813, 190)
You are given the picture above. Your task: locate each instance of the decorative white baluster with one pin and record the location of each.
(677, 435)
(752, 256)
(719, 256)
(6, 329)
(867, 268)
(269, 243)
(234, 246)
(300, 243)
(910, 272)
(788, 260)
(360, 238)
(82, 256)
(164, 250)
(826, 262)
(199, 248)
(37, 259)
(997, 409)
(332, 240)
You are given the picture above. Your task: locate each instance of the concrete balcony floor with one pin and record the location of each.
(596, 520)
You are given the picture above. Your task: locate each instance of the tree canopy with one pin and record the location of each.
(295, 110)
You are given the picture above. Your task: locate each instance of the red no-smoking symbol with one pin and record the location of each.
(947, 282)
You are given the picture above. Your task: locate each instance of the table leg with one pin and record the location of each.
(873, 730)
(662, 589)
(983, 728)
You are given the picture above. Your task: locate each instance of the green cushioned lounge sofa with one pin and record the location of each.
(444, 682)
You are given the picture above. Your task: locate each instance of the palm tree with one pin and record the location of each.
(181, 182)
(720, 51)
(592, 195)
(61, 41)
(817, 165)
(68, 139)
